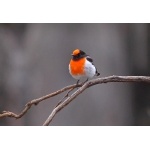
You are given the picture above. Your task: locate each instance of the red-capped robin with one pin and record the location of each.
(81, 65)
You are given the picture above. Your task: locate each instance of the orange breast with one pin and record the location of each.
(77, 67)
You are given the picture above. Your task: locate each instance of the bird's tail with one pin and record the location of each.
(97, 73)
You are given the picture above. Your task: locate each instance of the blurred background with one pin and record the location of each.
(34, 62)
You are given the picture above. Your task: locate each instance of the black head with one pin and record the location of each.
(77, 54)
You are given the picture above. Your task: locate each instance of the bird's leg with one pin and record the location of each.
(86, 80)
(77, 82)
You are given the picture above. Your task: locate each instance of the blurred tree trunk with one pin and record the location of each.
(34, 62)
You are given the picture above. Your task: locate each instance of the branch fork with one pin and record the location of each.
(67, 99)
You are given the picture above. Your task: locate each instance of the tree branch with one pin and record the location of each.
(35, 102)
(91, 83)
(68, 99)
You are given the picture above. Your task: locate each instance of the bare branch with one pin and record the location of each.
(91, 83)
(65, 96)
(36, 101)
(68, 99)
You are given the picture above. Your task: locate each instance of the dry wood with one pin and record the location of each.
(68, 99)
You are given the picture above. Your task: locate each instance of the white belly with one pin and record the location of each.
(89, 69)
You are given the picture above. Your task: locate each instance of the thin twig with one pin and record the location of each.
(74, 95)
(35, 102)
(65, 96)
(91, 83)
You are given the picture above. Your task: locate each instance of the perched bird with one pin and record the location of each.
(81, 66)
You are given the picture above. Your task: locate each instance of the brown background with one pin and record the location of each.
(34, 62)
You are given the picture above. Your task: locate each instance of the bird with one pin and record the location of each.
(81, 66)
